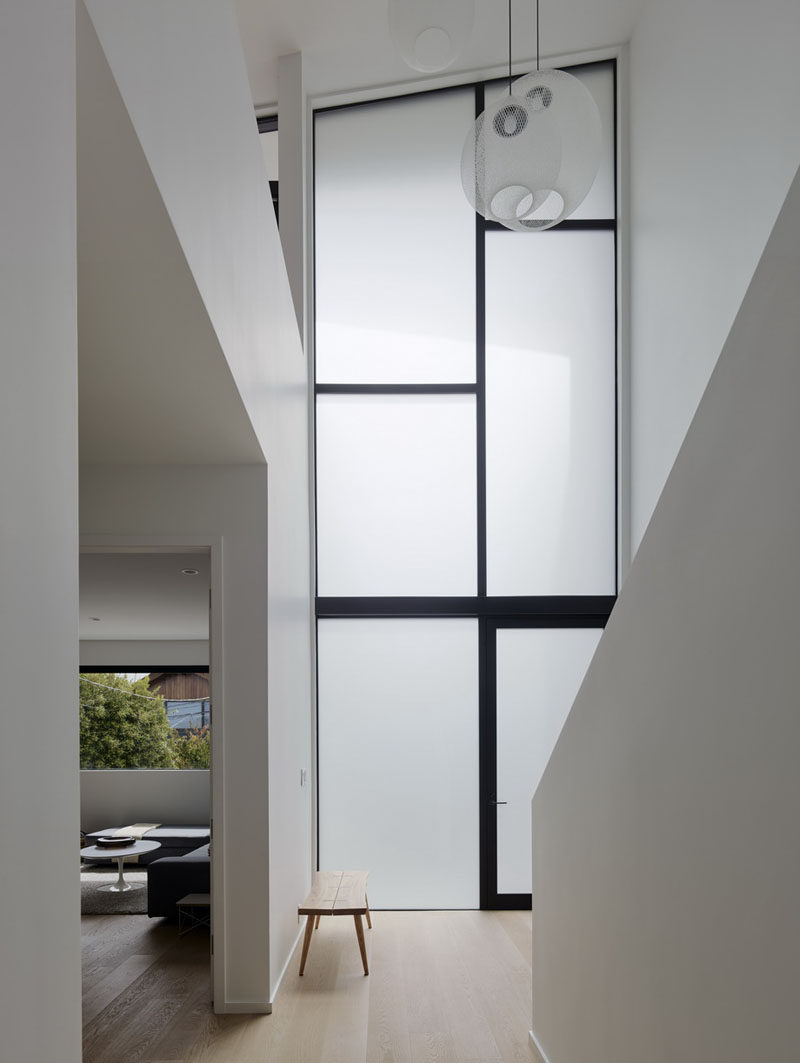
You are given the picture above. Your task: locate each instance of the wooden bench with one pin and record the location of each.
(336, 893)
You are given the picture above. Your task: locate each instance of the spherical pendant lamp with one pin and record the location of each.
(510, 162)
(532, 157)
(569, 108)
(429, 34)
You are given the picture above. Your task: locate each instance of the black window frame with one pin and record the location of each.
(491, 612)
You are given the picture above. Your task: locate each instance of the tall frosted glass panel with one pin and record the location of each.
(394, 243)
(396, 495)
(539, 673)
(398, 758)
(598, 78)
(601, 200)
(550, 413)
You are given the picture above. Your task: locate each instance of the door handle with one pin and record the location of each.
(498, 802)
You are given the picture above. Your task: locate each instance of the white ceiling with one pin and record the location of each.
(144, 596)
(346, 44)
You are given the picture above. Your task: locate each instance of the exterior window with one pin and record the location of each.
(155, 720)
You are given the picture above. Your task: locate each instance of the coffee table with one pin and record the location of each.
(100, 852)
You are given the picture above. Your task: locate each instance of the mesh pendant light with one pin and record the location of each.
(531, 158)
(510, 162)
(569, 108)
(429, 34)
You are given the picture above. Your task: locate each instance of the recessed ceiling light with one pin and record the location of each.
(190, 572)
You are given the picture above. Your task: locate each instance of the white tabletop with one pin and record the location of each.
(96, 852)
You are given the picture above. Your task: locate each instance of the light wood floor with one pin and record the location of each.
(444, 987)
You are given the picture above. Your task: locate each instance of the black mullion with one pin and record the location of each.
(487, 763)
(480, 377)
(512, 902)
(127, 669)
(395, 98)
(316, 735)
(311, 350)
(553, 621)
(617, 352)
(579, 611)
(574, 224)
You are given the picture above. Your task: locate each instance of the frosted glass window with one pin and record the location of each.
(599, 80)
(396, 495)
(394, 243)
(398, 758)
(550, 413)
(539, 673)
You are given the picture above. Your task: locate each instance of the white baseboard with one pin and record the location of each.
(285, 967)
(540, 1056)
(245, 1007)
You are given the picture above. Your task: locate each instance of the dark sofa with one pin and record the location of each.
(174, 840)
(171, 877)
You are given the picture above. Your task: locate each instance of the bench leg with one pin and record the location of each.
(316, 925)
(369, 921)
(306, 942)
(361, 943)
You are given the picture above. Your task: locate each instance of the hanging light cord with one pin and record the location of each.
(537, 34)
(509, 47)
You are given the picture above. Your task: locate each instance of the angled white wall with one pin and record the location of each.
(666, 863)
(179, 68)
(292, 177)
(40, 984)
(714, 146)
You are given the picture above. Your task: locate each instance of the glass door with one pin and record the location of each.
(533, 676)
(398, 757)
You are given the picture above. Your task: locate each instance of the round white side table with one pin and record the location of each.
(100, 852)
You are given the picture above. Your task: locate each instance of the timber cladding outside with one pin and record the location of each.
(180, 686)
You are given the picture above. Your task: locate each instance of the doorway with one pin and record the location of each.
(533, 673)
(145, 640)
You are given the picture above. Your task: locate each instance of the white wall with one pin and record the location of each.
(179, 68)
(226, 505)
(40, 1001)
(666, 861)
(292, 177)
(285, 431)
(135, 654)
(714, 145)
(116, 798)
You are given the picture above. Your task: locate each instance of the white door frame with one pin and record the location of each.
(174, 544)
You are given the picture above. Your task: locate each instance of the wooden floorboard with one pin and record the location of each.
(444, 987)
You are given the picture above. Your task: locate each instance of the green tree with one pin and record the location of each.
(122, 725)
(191, 749)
